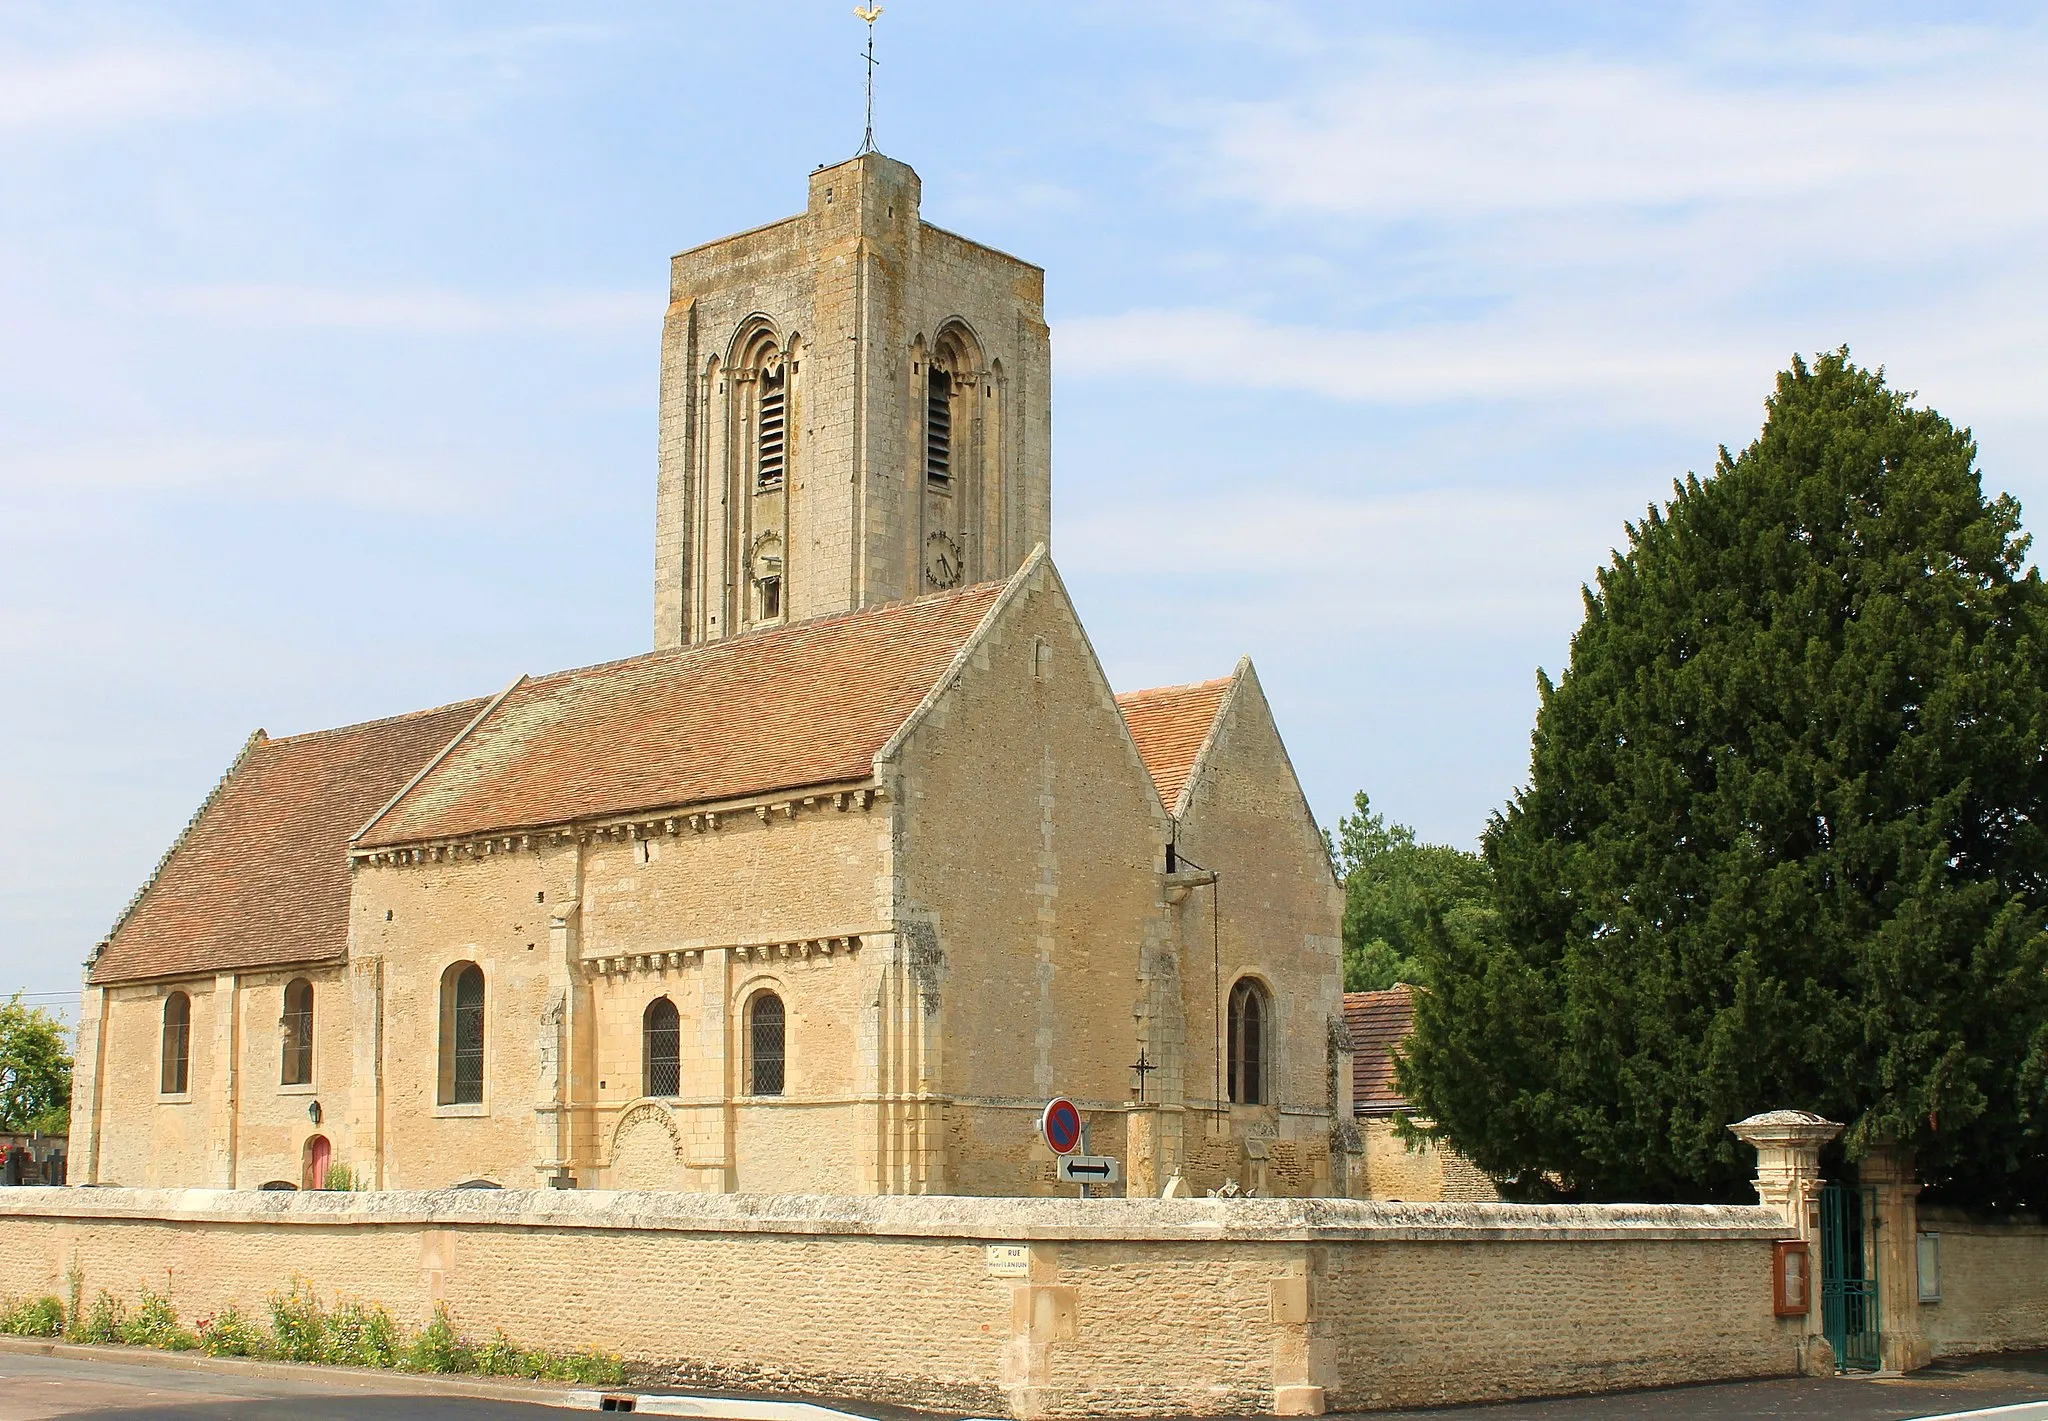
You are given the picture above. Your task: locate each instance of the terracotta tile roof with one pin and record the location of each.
(1170, 724)
(802, 705)
(260, 877)
(1378, 1022)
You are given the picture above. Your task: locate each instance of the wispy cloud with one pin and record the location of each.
(1646, 237)
(424, 312)
(261, 469)
(1436, 363)
(107, 87)
(1443, 560)
(1431, 131)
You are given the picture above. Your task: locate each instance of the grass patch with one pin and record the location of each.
(33, 1317)
(301, 1329)
(154, 1323)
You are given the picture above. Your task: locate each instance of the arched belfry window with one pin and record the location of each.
(1251, 1014)
(462, 1035)
(298, 1033)
(762, 409)
(661, 1042)
(177, 1061)
(961, 488)
(767, 1044)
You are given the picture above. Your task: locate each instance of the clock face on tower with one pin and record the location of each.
(942, 562)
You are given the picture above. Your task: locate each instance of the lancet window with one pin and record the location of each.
(177, 1055)
(766, 1044)
(298, 1033)
(661, 1041)
(1250, 1012)
(462, 1035)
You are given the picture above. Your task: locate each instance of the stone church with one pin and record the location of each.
(826, 894)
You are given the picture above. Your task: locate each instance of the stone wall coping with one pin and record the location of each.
(1952, 1219)
(969, 1219)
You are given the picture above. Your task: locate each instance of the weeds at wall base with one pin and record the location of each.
(352, 1334)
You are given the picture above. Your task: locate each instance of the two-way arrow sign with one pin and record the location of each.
(1088, 1169)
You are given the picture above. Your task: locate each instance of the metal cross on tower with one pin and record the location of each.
(870, 13)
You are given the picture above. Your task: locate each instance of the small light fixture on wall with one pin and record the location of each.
(313, 1111)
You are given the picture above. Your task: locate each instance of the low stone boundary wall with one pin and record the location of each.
(1030, 1306)
(1994, 1284)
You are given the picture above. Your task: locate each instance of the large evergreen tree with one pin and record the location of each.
(1782, 839)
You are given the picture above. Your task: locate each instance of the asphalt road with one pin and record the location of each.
(36, 1387)
(2009, 1379)
(33, 1388)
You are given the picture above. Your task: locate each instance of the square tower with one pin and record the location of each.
(855, 408)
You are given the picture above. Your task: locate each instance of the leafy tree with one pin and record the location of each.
(1782, 842)
(1394, 890)
(35, 1070)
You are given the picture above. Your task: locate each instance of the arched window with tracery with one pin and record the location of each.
(761, 405)
(767, 1044)
(661, 1047)
(956, 500)
(1251, 1015)
(462, 1035)
(176, 1078)
(298, 1033)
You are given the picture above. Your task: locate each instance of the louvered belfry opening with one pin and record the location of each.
(765, 1044)
(661, 1035)
(774, 435)
(938, 427)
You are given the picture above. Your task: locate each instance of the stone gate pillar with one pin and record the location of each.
(1888, 1170)
(1141, 1150)
(1788, 1145)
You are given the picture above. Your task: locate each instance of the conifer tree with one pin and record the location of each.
(1782, 842)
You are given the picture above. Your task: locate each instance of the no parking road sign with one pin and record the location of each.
(1061, 1125)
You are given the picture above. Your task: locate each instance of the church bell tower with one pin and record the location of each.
(855, 408)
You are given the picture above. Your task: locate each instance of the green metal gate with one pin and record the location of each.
(1848, 1275)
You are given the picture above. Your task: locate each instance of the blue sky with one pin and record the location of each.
(328, 338)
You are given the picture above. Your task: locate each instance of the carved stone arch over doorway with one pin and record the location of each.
(646, 1149)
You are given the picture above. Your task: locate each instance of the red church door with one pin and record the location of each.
(318, 1152)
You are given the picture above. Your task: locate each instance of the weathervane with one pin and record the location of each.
(870, 13)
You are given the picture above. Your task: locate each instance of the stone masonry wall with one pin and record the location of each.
(240, 1127)
(1430, 1174)
(1125, 1306)
(1994, 1284)
(1281, 917)
(1030, 838)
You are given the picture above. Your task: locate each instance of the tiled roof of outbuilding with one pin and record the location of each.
(801, 705)
(1170, 724)
(260, 877)
(1378, 1022)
